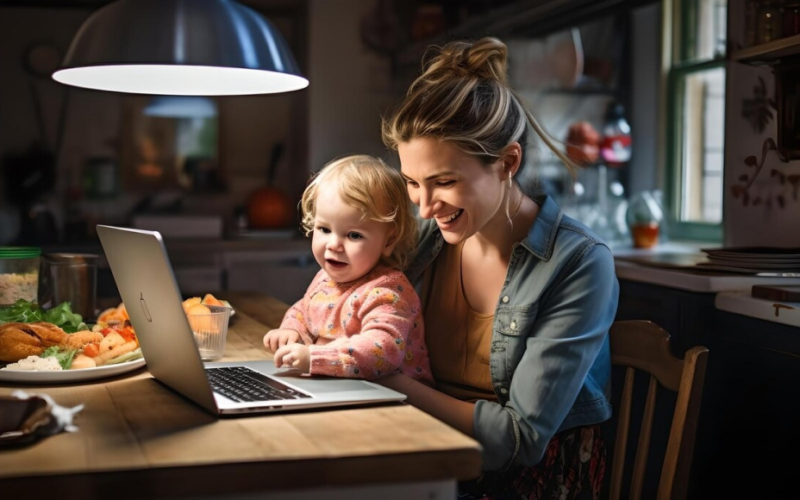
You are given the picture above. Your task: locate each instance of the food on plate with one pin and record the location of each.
(61, 315)
(82, 361)
(35, 363)
(34, 339)
(87, 349)
(113, 315)
(79, 340)
(20, 340)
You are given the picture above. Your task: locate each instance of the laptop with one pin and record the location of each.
(140, 265)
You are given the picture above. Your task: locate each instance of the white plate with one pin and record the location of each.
(65, 376)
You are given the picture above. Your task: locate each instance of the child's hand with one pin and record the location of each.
(279, 338)
(293, 356)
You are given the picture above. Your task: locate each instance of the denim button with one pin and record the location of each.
(505, 299)
(513, 325)
(503, 390)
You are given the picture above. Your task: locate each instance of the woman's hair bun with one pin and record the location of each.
(483, 59)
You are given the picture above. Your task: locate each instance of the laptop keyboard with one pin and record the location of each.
(243, 384)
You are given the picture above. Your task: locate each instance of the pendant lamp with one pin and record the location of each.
(180, 47)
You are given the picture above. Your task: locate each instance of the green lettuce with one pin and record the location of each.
(63, 356)
(61, 315)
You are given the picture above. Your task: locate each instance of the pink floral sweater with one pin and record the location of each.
(362, 329)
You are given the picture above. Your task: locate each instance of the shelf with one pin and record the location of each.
(528, 18)
(768, 52)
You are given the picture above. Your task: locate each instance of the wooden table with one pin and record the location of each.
(138, 439)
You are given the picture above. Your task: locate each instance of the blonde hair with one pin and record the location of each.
(463, 97)
(377, 190)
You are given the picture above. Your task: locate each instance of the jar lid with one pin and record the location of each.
(19, 252)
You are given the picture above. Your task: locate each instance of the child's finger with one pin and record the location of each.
(277, 358)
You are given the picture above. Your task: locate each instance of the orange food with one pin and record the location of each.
(199, 309)
(91, 350)
(119, 313)
(211, 300)
(188, 303)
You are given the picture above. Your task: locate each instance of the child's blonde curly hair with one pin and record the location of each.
(377, 190)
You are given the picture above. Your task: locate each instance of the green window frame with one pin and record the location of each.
(679, 64)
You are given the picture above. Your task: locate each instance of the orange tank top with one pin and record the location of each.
(458, 338)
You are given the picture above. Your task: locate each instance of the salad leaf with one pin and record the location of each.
(21, 312)
(64, 357)
(61, 315)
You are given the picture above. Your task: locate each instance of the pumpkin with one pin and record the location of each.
(269, 208)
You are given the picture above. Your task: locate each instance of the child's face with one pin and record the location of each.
(346, 246)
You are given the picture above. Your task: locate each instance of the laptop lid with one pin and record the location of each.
(149, 290)
(140, 265)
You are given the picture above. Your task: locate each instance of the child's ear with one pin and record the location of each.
(391, 242)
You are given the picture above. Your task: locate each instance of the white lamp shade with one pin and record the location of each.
(180, 47)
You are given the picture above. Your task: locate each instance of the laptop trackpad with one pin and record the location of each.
(322, 385)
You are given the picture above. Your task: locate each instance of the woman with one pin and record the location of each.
(517, 297)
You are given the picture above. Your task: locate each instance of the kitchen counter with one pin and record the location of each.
(673, 265)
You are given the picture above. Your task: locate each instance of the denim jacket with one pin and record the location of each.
(550, 362)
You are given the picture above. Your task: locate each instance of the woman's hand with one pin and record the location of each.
(293, 356)
(275, 339)
(452, 411)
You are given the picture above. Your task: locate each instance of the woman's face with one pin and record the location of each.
(455, 189)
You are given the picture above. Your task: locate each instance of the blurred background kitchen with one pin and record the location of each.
(664, 111)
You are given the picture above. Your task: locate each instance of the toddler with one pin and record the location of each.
(360, 317)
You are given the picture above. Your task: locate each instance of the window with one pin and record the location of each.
(695, 117)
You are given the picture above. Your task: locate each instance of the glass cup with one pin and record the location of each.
(210, 330)
(69, 277)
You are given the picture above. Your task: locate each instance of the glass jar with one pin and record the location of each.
(644, 217)
(19, 274)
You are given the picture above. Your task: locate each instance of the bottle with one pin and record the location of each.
(615, 148)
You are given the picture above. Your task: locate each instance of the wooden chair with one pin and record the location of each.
(643, 345)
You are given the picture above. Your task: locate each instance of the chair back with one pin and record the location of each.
(644, 346)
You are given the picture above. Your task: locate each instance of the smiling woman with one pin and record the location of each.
(520, 351)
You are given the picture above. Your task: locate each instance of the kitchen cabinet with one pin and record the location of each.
(284, 275)
(280, 267)
(748, 430)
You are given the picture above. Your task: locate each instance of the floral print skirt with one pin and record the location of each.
(573, 467)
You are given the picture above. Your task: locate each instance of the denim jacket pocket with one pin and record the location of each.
(513, 321)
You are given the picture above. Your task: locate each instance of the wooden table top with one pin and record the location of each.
(135, 432)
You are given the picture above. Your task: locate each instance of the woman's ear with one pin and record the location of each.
(512, 159)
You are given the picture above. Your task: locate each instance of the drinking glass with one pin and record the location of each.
(210, 331)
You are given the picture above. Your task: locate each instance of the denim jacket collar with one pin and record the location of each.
(542, 236)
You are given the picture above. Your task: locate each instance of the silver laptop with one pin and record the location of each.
(144, 277)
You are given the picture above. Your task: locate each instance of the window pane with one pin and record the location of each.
(708, 19)
(702, 140)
